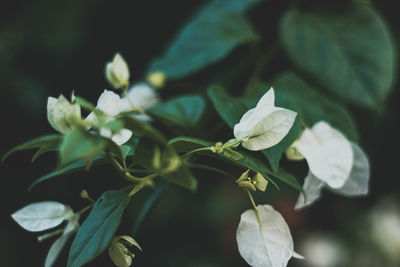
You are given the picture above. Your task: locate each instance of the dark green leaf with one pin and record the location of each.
(183, 111)
(79, 144)
(140, 128)
(74, 167)
(312, 106)
(351, 54)
(43, 141)
(98, 229)
(211, 35)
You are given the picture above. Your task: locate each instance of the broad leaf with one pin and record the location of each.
(183, 111)
(79, 145)
(312, 106)
(43, 141)
(351, 54)
(211, 35)
(98, 229)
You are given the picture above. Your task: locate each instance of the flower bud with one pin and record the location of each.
(117, 72)
(156, 79)
(62, 115)
(260, 182)
(118, 251)
(292, 153)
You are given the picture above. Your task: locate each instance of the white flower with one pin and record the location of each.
(271, 247)
(117, 72)
(334, 163)
(265, 125)
(141, 96)
(61, 114)
(119, 252)
(111, 104)
(44, 215)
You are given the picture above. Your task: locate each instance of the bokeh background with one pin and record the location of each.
(48, 48)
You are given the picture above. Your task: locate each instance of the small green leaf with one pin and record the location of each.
(211, 35)
(79, 144)
(351, 53)
(43, 141)
(184, 111)
(98, 229)
(230, 153)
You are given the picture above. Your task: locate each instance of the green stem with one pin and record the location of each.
(195, 151)
(256, 210)
(85, 209)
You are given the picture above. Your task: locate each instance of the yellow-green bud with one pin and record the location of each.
(260, 182)
(117, 72)
(292, 153)
(156, 79)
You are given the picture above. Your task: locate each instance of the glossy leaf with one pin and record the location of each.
(211, 35)
(183, 111)
(98, 229)
(351, 53)
(312, 106)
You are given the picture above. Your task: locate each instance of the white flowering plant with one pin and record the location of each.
(151, 140)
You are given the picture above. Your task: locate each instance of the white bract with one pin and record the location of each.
(271, 247)
(41, 216)
(334, 163)
(141, 96)
(119, 252)
(111, 105)
(59, 244)
(117, 72)
(61, 114)
(265, 125)
(44, 215)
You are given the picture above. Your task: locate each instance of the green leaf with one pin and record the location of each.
(149, 203)
(79, 144)
(351, 53)
(312, 106)
(231, 109)
(211, 35)
(43, 141)
(74, 167)
(184, 111)
(98, 229)
(44, 149)
(145, 155)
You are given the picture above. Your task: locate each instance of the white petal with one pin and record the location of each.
(273, 247)
(143, 96)
(51, 102)
(357, 183)
(120, 68)
(110, 103)
(312, 188)
(267, 101)
(270, 130)
(42, 215)
(328, 153)
(59, 244)
(119, 138)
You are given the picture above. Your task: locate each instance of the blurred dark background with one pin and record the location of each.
(48, 48)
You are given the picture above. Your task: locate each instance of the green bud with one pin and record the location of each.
(260, 182)
(292, 153)
(247, 185)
